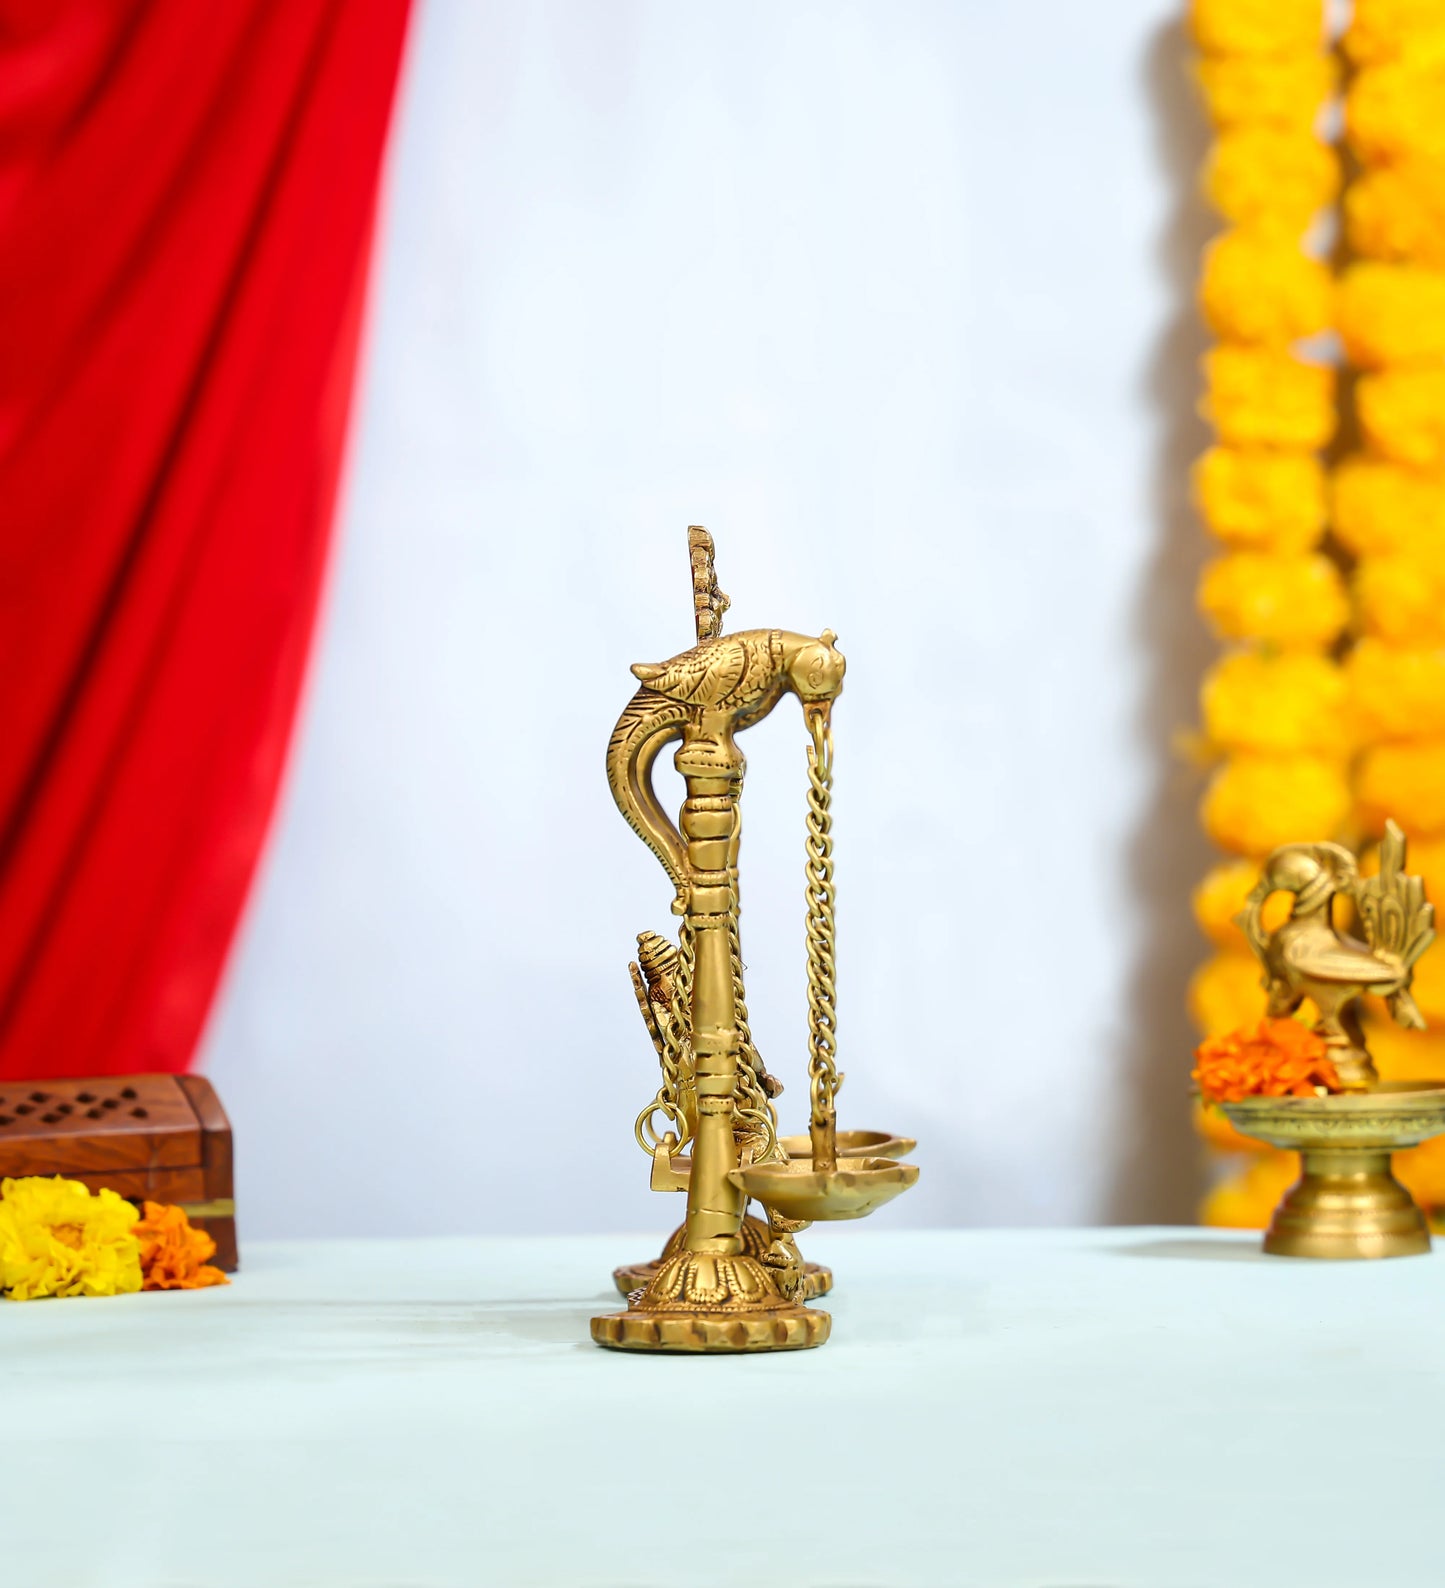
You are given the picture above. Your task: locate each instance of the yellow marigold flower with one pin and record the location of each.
(1392, 30)
(1247, 1200)
(1392, 314)
(1392, 112)
(1398, 212)
(59, 1239)
(1259, 286)
(1429, 987)
(1280, 91)
(1272, 176)
(1256, 27)
(1380, 508)
(1401, 1055)
(1278, 704)
(1255, 803)
(1294, 602)
(1402, 600)
(1421, 1170)
(1396, 694)
(1225, 993)
(1402, 413)
(1259, 397)
(1221, 896)
(1406, 782)
(1262, 501)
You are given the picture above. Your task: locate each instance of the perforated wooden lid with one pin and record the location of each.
(85, 1126)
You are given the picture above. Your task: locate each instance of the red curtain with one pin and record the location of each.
(187, 191)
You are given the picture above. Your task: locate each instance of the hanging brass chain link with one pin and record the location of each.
(676, 1053)
(823, 1077)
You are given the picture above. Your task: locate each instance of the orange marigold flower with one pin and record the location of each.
(1262, 287)
(1392, 314)
(1277, 1058)
(173, 1256)
(1261, 397)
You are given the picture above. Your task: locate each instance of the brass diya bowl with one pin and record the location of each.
(851, 1191)
(854, 1144)
(1346, 1203)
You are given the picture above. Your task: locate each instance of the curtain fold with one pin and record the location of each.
(187, 194)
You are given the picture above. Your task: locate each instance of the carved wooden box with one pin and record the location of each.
(165, 1137)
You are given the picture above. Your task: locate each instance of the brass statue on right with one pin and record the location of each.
(1346, 1203)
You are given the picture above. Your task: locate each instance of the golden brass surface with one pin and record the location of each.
(853, 1144)
(713, 1289)
(756, 1239)
(1347, 1203)
(798, 1190)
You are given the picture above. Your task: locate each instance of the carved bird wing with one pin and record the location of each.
(1338, 960)
(703, 676)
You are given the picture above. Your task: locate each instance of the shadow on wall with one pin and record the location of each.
(1158, 1178)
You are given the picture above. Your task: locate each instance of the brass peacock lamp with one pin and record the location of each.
(726, 1282)
(1346, 1203)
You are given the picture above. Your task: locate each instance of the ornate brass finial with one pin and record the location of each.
(708, 602)
(1309, 957)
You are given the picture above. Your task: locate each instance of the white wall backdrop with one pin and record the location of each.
(889, 296)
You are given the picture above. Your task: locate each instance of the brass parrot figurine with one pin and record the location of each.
(1309, 957)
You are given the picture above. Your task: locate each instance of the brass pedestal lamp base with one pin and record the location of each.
(817, 1280)
(1346, 1203)
(712, 1302)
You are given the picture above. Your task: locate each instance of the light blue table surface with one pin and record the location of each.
(1132, 1408)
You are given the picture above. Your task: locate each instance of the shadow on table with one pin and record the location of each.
(1192, 1249)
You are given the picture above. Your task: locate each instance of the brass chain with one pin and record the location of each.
(676, 1053)
(823, 1077)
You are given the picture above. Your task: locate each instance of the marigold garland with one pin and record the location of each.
(1261, 500)
(1396, 693)
(1379, 508)
(1397, 212)
(1260, 397)
(1392, 315)
(1292, 601)
(1282, 703)
(1402, 415)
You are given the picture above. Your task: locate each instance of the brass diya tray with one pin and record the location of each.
(851, 1191)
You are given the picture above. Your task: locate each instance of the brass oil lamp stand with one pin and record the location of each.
(1346, 1203)
(725, 1282)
